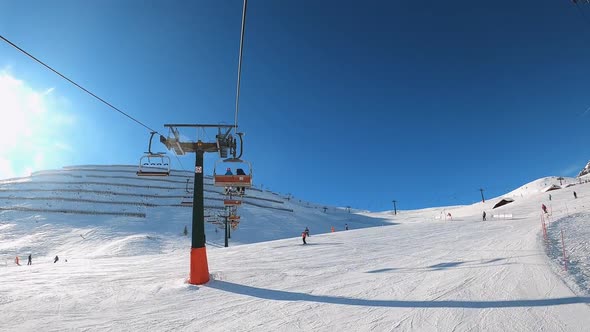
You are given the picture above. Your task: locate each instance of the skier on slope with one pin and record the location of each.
(303, 236)
(544, 208)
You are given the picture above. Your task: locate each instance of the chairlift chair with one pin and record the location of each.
(187, 201)
(233, 217)
(232, 202)
(160, 167)
(149, 168)
(234, 180)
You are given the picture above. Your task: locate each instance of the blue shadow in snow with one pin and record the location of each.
(446, 265)
(387, 269)
(309, 244)
(441, 266)
(277, 295)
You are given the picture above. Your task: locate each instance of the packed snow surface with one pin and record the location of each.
(436, 269)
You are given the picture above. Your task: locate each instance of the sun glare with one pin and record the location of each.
(27, 126)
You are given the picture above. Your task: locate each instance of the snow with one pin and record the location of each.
(413, 271)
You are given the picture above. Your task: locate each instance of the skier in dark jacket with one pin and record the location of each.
(484, 216)
(55, 259)
(575, 195)
(241, 190)
(30, 262)
(544, 208)
(303, 236)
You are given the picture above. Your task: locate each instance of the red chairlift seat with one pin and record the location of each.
(233, 181)
(232, 202)
(233, 218)
(237, 180)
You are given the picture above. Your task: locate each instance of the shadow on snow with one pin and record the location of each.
(278, 295)
(448, 265)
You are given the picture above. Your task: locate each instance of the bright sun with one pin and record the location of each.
(27, 126)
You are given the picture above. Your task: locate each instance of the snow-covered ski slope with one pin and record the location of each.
(415, 271)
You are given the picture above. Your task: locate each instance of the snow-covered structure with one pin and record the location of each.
(585, 170)
(503, 201)
(551, 188)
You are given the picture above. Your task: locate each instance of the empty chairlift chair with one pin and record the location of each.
(154, 165)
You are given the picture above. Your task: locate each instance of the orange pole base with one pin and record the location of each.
(199, 267)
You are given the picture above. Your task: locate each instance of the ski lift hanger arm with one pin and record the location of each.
(190, 146)
(199, 126)
(181, 148)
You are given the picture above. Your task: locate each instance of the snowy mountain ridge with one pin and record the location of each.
(585, 170)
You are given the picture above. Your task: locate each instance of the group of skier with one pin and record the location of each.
(544, 207)
(305, 233)
(30, 260)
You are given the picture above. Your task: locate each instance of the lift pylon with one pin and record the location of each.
(199, 269)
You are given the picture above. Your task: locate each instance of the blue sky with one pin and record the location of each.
(342, 102)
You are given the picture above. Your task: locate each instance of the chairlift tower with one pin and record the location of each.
(225, 143)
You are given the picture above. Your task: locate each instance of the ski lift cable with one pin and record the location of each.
(581, 12)
(240, 63)
(181, 166)
(206, 136)
(85, 90)
(77, 85)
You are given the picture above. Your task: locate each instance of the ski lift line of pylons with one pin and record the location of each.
(147, 167)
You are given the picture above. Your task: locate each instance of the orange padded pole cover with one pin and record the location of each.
(199, 267)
